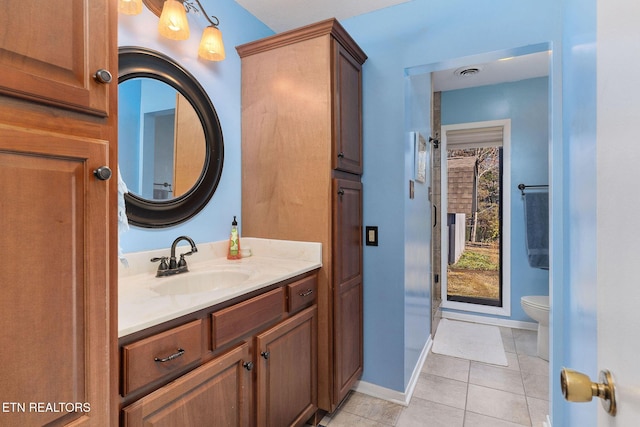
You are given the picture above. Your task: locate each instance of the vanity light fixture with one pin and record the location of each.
(173, 22)
(211, 46)
(174, 25)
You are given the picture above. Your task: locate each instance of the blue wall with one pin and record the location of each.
(221, 80)
(418, 225)
(526, 103)
(574, 286)
(418, 33)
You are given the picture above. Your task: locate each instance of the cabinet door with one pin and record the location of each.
(51, 49)
(347, 105)
(287, 392)
(347, 285)
(217, 394)
(54, 276)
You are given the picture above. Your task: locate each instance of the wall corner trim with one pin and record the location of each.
(394, 396)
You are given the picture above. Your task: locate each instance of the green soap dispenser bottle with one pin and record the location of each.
(234, 241)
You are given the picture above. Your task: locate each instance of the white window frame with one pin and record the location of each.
(505, 310)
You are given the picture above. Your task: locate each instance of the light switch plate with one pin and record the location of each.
(371, 235)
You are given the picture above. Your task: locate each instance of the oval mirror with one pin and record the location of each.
(170, 141)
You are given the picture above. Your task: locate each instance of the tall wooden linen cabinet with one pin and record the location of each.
(301, 170)
(57, 241)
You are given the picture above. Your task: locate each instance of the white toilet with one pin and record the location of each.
(537, 307)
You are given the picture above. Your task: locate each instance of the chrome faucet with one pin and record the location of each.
(173, 266)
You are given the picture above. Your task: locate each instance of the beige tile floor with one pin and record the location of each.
(456, 392)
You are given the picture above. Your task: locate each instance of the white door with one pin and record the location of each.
(618, 201)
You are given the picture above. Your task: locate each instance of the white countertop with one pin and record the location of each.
(272, 261)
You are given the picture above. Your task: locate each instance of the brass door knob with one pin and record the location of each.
(578, 387)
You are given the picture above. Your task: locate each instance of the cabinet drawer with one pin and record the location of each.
(217, 393)
(158, 356)
(237, 321)
(302, 293)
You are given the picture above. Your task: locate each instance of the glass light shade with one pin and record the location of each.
(211, 46)
(130, 7)
(173, 21)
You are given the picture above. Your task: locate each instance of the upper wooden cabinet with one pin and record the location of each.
(301, 131)
(51, 50)
(347, 110)
(328, 67)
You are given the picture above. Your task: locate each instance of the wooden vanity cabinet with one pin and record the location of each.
(301, 167)
(287, 392)
(258, 367)
(58, 317)
(217, 393)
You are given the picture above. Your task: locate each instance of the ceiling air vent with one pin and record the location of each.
(467, 71)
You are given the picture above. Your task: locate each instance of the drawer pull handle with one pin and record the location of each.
(248, 365)
(170, 358)
(306, 293)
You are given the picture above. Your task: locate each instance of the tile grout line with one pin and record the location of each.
(466, 397)
(524, 388)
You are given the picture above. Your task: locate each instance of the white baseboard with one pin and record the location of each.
(401, 398)
(475, 318)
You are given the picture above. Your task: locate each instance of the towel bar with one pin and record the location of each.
(521, 187)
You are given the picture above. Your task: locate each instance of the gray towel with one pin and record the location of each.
(536, 215)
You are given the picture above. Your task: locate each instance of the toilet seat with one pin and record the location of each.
(541, 302)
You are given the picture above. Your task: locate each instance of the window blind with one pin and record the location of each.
(475, 138)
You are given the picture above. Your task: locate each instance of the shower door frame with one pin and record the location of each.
(505, 232)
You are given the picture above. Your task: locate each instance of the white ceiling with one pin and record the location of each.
(506, 70)
(283, 15)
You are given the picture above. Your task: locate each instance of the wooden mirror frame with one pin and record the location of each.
(137, 62)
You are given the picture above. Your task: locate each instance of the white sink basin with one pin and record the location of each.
(200, 282)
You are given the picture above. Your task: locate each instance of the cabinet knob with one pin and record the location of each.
(341, 155)
(341, 192)
(103, 173)
(265, 354)
(248, 365)
(103, 76)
